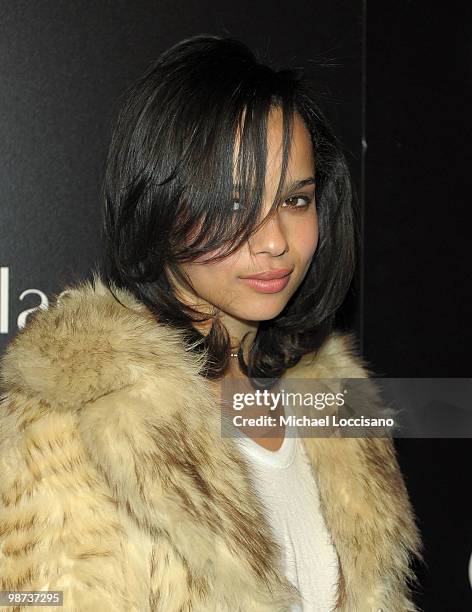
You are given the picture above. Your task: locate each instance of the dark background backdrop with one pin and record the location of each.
(416, 292)
(396, 76)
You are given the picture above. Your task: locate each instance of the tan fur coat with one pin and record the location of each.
(117, 487)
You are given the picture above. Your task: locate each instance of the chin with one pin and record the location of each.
(263, 313)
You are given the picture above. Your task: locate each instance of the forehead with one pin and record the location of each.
(301, 154)
(301, 145)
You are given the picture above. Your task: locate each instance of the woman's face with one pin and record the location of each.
(286, 241)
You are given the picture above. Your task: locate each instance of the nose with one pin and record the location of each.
(269, 238)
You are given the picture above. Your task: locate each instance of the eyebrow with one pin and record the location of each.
(298, 184)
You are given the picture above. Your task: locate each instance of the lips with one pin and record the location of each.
(270, 274)
(277, 281)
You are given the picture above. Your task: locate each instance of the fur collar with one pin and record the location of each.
(147, 419)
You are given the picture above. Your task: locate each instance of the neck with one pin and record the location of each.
(238, 331)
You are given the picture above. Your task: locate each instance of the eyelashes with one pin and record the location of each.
(306, 199)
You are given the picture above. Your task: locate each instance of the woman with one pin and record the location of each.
(118, 487)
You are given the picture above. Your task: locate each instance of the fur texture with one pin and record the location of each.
(118, 489)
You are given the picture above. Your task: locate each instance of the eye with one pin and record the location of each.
(237, 206)
(301, 201)
(305, 201)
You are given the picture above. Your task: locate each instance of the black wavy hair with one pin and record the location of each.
(169, 175)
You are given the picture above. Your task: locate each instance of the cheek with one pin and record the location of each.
(209, 279)
(306, 237)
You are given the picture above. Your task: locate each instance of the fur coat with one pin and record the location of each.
(117, 488)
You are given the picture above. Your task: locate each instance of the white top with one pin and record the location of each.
(289, 492)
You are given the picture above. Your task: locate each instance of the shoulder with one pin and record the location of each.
(86, 344)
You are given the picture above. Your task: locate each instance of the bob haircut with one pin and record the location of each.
(169, 194)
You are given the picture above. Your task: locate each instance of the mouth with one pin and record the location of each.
(271, 274)
(268, 285)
